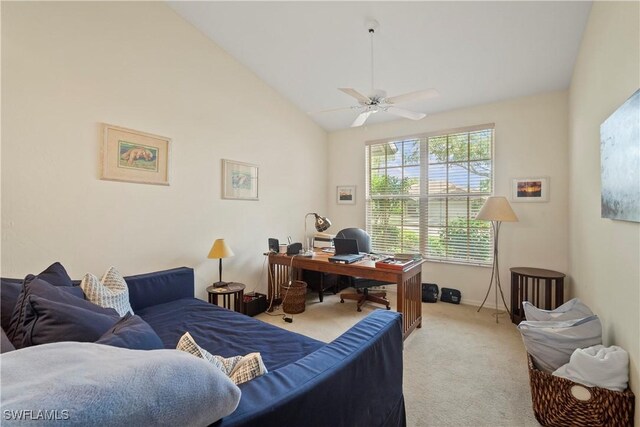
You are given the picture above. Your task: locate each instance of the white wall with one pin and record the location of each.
(66, 68)
(605, 254)
(530, 141)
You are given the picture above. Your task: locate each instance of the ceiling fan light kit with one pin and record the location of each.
(377, 100)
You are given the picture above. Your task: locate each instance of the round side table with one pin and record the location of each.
(526, 285)
(232, 291)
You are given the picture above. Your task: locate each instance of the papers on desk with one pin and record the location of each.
(394, 263)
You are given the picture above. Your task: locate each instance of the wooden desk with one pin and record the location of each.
(409, 282)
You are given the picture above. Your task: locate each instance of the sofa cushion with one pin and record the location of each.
(131, 332)
(572, 309)
(227, 333)
(43, 289)
(110, 291)
(117, 386)
(47, 321)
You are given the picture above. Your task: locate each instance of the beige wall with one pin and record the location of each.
(530, 141)
(66, 68)
(605, 254)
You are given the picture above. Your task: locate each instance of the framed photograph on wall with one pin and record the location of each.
(530, 189)
(346, 194)
(239, 180)
(132, 156)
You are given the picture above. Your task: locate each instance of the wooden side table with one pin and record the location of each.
(232, 291)
(526, 286)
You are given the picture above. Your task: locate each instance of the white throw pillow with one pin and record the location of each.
(572, 309)
(239, 368)
(111, 291)
(551, 344)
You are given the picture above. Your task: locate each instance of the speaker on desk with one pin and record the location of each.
(274, 245)
(294, 248)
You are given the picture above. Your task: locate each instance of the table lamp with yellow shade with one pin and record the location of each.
(220, 250)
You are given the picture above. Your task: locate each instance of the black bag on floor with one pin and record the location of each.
(429, 292)
(451, 295)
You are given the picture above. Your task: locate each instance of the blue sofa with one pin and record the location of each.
(356, 380)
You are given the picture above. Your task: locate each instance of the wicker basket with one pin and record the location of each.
(554, 405)
(294, 297)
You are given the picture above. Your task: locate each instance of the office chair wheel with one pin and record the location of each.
(359, 309)
(341, 300)
(388, 308)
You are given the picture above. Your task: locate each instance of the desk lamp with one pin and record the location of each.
(321, 224)
(496, 209)
(220, 250)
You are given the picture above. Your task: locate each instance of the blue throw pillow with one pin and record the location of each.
(5, 344)
(9, 292)
(58, 276)
(133, 333)
(43, 289)
(47, 321)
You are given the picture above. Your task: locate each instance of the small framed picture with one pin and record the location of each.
(530, 190)
(239, 180)
(132, 156)
(346, 194)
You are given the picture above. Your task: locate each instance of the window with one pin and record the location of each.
(424, 192)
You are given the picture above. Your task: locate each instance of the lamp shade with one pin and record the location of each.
(321, 223)
(497, 208)
(220, 250)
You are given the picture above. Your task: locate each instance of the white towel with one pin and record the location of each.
(600, 366)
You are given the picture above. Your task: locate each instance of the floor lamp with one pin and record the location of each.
(496, 209)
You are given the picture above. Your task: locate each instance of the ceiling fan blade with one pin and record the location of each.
(359, 121)
(357, 95)
(413, 96)
(331, 110)
(405, 113)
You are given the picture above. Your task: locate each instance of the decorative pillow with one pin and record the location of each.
(111, 291)
(9, 292)
(5, 344)
(239, 368)
(56, 275)
(570, 310)
(551, 344)
(133, 333)
(100, 385)
(48, 321)
(44, 289)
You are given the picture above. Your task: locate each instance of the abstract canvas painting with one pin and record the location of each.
(620, 162)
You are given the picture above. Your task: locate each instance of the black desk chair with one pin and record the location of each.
(362, 285)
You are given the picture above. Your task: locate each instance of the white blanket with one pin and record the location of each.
(600, 366)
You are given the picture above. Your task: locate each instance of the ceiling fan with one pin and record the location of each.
(377, 100)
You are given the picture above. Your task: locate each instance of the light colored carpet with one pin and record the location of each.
(460, 368)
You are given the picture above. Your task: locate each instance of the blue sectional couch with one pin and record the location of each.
(356, 380)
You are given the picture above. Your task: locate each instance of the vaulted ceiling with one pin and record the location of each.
(471, 52)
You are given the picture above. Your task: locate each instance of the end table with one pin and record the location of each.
(232, 291)
(526, 286)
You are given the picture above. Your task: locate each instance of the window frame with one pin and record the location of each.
(424, 197)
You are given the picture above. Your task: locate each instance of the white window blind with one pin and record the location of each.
(424, 192)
